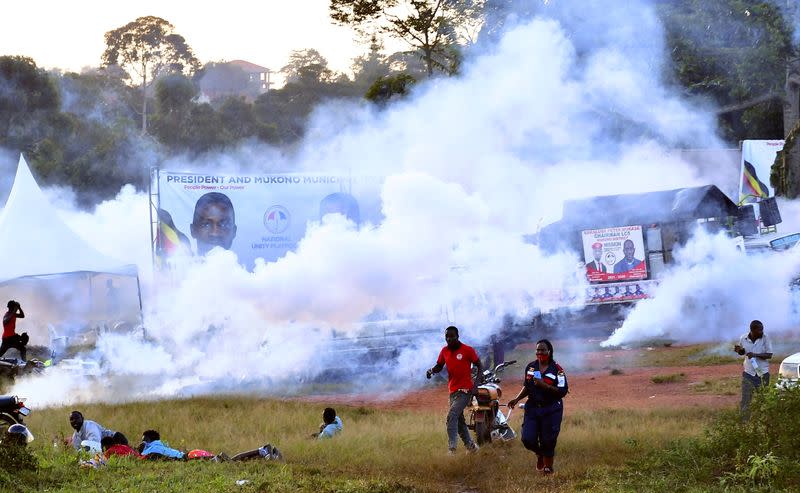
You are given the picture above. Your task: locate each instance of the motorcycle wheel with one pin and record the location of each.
(483, 432)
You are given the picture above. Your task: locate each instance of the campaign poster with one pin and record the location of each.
(255, 216)
(757, 159)
(614, 254)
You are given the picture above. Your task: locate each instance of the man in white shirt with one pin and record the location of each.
(756, 347)
(88, 431)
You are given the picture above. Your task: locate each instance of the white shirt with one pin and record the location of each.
(761, 345)
(90, 431)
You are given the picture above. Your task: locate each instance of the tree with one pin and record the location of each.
(497, 16)
(145, 49)
(430, 26)
(238, 118)
(734, 52)
(175, 95)
(307, 66)
(383, 89)
(28, 95)
(371, 66)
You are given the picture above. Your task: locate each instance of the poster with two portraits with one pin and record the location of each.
(614, 254)
(255, 216)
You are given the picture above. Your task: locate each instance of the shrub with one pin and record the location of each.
(15, 458)
(672, 378)
(762, 452)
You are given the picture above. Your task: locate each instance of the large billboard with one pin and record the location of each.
(614, 254)
(757, 159)
(255, 216)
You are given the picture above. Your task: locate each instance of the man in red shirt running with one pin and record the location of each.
(10, 337)
(459, 359)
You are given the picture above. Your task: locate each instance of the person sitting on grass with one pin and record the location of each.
(331, 425)
(90, 432)
(111, 447)
(152, 447)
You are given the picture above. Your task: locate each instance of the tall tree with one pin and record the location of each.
(371, 66)
(734, 52)
(307, 66)
(145, 49)
(28, 95)
(430, 26)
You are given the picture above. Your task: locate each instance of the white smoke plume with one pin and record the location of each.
(713, 292)
(560, 108)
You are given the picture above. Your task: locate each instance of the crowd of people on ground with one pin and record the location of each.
(93, 438)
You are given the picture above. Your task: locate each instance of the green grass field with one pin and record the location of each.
(378, 450)
(389, 451)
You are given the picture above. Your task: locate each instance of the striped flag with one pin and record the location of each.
(751, 185)
(169, 240)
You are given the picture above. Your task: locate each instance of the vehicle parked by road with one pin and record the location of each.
(789, 373)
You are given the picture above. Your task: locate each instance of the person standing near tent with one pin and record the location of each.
(10, 337)
(112, 299)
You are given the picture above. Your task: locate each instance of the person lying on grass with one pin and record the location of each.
(267, 452)
(331, 425)
(113, 447)
(152, 447)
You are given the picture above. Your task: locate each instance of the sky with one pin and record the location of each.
(70, 36)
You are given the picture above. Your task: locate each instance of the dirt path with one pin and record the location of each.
(598, 389)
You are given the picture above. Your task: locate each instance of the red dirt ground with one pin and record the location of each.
(589, 390)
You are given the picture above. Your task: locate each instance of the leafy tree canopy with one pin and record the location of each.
(147, 48)
(307, 66)
(731, 51)
(430, 26)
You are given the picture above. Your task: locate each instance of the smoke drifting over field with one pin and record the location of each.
(561, 107)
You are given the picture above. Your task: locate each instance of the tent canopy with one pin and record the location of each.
(36, 242)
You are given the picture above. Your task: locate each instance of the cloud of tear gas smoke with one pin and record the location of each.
(713, 293)
(560, 108)
(118, 228)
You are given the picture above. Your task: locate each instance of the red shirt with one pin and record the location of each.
(9, 324)
(122, 450)
(459, 366)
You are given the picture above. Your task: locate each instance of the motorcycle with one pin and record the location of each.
(13, 367)
(12, 411)
(485, 417)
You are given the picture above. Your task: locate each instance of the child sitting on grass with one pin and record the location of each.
(331, 425)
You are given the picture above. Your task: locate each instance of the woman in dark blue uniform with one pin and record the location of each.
(545, 386)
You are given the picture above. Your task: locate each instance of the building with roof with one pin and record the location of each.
(235, 78)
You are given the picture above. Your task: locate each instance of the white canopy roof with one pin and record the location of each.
(34, 241)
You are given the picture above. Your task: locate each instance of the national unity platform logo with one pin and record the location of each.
(277, 219)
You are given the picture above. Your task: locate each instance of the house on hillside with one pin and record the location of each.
(234, 78)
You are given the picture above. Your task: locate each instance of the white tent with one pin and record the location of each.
(56, 275)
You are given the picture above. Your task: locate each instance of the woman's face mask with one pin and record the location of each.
(542, 353)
